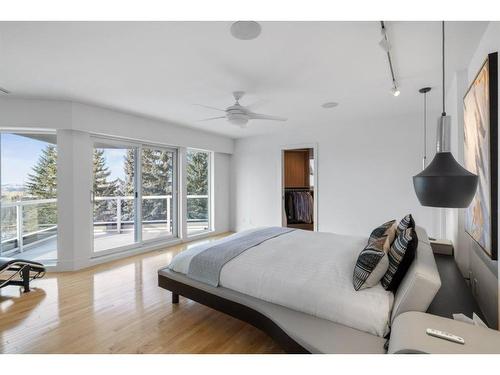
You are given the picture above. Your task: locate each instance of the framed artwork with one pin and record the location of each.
(481, 155)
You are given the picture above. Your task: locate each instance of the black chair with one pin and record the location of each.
(19, 272)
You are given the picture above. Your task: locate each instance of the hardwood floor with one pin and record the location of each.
(117, 307)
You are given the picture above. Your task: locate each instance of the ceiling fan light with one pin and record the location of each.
(238, 119)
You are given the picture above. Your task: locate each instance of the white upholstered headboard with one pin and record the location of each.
(421, 283)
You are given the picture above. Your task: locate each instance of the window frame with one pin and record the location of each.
(21, 249)
(139, 241)
(210, 203)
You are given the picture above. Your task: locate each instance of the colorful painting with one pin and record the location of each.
(480, 155)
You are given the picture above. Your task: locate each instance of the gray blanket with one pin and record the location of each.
(206, 266)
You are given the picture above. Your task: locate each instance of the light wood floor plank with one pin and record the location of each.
(118, 307)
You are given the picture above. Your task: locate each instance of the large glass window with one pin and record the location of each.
(198, 191)
(28, 175)
(159, 203)
(134, 194)
(114, 195)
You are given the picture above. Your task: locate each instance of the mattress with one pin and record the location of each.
(306, 271)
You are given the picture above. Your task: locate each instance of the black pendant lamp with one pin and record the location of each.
(445, 183)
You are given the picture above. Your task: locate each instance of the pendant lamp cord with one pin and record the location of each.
(424, 162)
(442, 32)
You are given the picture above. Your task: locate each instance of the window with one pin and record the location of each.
(159, 207)
(29, 195)
(134, 194)
(198, 191)
(114, 195)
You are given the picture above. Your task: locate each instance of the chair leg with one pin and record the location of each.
(25, 273)
(175, 298)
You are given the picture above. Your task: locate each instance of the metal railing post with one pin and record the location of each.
(168, 211)
(119, 214)
(19, 231)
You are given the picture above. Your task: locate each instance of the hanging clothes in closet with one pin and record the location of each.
(299, 207)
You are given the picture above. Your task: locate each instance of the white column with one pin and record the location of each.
(74, 207)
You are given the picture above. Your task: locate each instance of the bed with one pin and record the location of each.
(297, 287)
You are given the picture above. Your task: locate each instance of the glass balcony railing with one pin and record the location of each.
(117, 213)
(24, 224)
(30, 227)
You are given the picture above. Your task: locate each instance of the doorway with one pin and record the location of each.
(299, 188)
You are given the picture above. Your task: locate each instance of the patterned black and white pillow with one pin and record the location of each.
(388, 230)
(371, 265)
(400, 256)
(406, 222)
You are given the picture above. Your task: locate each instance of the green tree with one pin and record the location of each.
(156, 168)
(197, 173)
(197, 184)
(103, 210)
(101, 185)
(42, 182)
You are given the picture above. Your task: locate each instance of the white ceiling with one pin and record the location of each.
(160, 69)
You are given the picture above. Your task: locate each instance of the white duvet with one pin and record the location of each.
(309, 272)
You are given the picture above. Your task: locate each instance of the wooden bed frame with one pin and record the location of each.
(233, 309)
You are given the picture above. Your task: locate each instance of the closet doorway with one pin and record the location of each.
(299, 187)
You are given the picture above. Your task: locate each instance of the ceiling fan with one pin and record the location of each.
(239, 115)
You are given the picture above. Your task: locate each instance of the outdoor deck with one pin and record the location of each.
(46, 250)
(40, 243)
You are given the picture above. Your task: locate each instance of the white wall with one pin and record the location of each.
(364, 175)
(57, 114)
(75, 123)
(469, 256)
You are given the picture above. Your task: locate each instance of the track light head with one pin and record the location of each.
(384, 44)
(395, 91)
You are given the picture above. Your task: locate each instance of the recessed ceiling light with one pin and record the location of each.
(4, 91)
(245, 30)
(329, 104)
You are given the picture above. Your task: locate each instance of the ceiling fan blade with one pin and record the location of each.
(207, 106)
(256, 104)
(212, 118)
(259, 116)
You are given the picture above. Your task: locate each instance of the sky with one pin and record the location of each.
(19, 154)
(114, 160)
